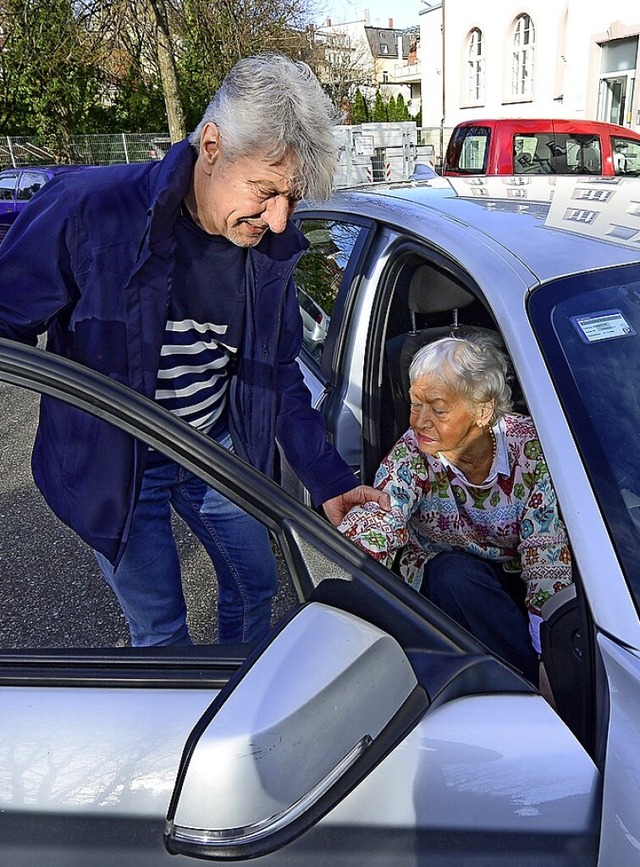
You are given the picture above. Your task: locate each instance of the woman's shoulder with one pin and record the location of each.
(519, 427)
(522, 440)
(405, 468)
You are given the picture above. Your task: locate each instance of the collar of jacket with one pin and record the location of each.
(169, 180)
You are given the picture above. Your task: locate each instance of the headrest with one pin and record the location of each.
(432, 291)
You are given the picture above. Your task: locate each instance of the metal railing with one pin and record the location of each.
(387, 163)
(86, 149)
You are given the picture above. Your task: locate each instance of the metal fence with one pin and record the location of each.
(86, 149)
(385, 163)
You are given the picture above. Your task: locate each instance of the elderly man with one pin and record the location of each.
(175, 277)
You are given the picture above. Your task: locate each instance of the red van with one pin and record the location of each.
(518, 146)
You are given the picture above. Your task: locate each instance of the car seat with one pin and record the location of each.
(541, 164)
(431, 291)
(558, 163)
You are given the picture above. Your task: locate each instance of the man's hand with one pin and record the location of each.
(336, 508)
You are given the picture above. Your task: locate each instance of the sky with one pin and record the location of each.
(405, 13)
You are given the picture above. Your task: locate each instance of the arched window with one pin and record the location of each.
(524, 38)
(475, 67)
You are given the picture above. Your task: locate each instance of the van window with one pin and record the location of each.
(626, 156)
(469, 149)
(549, 153)
(584, 154)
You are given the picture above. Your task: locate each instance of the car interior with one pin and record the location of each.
(423, 301)
(556, 154)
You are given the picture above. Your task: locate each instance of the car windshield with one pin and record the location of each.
(589, 329)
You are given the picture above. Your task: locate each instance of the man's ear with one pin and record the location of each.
(210, 143)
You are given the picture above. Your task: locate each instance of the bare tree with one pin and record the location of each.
(165, 53)
(342, 65)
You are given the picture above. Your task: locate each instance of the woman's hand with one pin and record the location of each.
(336, 508)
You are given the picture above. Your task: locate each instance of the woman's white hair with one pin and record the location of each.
(475, 368)
(272, 107)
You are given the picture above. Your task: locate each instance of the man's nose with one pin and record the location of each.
(277, 213)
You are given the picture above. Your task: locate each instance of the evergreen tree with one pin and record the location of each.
(360, 110)
(391, 109)
(402, 112)
(379, 109)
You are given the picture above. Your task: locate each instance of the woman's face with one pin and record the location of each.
(442, 420)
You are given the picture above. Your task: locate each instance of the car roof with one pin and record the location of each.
(50, 170)
(59, 169)
(578, 125)
(553, 226)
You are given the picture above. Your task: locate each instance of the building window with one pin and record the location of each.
(384, 48)
(580, 215)
(592, 195)
(523, 57)
(624, 233)
(475, 67)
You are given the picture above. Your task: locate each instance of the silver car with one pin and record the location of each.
(315, 325)
(368, 728)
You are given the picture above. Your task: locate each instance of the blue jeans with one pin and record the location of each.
(148, 583)
(480, 596)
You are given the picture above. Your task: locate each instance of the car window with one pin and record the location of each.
(556, 153)
(52, 593)
(626, 156)
(590, 327)
(584, 153)
(524, 149)
(7, 187)
(29, 184)
(319, 276)
(468, 150)
(422, 300)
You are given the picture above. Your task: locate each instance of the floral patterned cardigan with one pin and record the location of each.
(511, 518)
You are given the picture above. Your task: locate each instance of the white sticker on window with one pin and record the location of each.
(604, 325)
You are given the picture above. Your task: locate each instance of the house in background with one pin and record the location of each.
(566, 59)
(371, 57)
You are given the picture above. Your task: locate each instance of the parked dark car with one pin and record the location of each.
(18, 185)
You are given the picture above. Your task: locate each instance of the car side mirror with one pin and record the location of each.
(316, 711)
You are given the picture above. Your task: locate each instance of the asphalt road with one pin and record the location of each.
(51, 591)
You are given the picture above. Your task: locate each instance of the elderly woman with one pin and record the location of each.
(474, 520)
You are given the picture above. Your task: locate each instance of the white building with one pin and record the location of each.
(519, 58)
(373, 57)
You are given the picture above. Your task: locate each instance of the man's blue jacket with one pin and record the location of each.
(89, 260)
